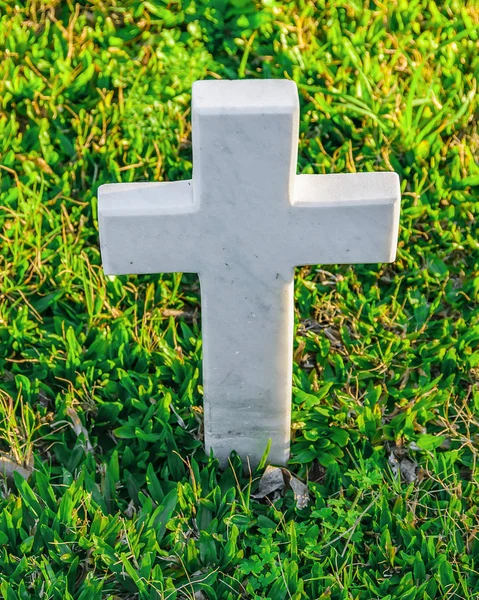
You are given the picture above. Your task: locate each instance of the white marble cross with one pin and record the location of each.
(243, 223)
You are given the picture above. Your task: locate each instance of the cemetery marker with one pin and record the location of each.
(243, 223)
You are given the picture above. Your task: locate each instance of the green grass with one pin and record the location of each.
(100, 386)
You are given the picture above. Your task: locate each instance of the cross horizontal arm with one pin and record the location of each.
(344, 219)
(148, 228)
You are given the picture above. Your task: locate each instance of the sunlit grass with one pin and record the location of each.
(108, 492)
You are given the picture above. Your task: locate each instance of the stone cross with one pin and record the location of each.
(243, 222)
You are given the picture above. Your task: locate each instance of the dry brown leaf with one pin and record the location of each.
(408, 470)
(78, 428)
(271, 481)
(8, 467)
(300, 491)
(403, 466)
(393, 463)
(277, 480)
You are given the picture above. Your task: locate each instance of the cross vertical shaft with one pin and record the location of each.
(244, 157)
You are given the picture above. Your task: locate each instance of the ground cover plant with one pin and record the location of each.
(106, 490)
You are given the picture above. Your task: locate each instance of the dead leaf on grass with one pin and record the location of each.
(403, 466)
(271, 481)
(181, 423)
(408, 470)
(8, 467)
(300, 491)
(276, 480)
(79, 429)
